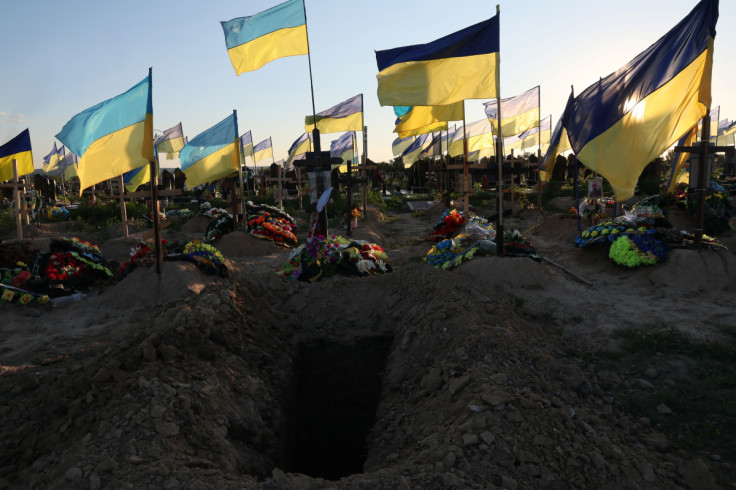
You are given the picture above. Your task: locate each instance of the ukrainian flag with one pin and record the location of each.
(50, 160)
(429, 128)
(113, 137)
(278, 32)
(171, 142)
(344, 147)
(300, 147)
(18, 149)
(401, 144)
(539, 136)
(246, 143)
(517, 113)
(558, 144)
(462, 65)
(70, 161)
(411, 154)
(263, 150)
(136, 178)
(345, 116)
(530, 139)
(479, 136)
(212, 154)
(421, 116)
(621, 123)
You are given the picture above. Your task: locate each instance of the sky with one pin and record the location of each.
(59, 58)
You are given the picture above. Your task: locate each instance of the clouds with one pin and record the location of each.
(10, 117)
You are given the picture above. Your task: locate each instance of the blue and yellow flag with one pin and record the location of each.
(263, 150)
(67, 166)
(618, 125)
(171, 142)
(423, 116)
(299, 148)
(462, 65)
(212, 154)
(411, 154)
(18, 149)
(345, 116)
(429, 128)
(517, 113)
(344, 148)
(50, 160)
(530, 139)
(261, 38)
(246, 143)
(113, 137)
(136, 178)
(479, 135)
(558, 144)
(401, 144)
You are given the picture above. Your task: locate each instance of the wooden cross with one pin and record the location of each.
(279, 195)
(349, 180)
(17, 195)
(699, 161)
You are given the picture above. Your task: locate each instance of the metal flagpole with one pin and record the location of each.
(499, 150)
(315, 131)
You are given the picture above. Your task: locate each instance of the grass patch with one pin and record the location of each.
(701, 391)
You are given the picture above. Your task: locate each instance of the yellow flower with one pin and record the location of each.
(43, 299)
(25, 299)
(8, 295)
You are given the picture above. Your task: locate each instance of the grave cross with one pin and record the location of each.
(318, 165)
(349, 180)
(700, 174)
(17, 195)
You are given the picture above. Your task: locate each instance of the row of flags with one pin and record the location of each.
(615, 127)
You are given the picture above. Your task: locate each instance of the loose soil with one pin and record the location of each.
(488, 376)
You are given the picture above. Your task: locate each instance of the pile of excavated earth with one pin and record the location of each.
(416, 379)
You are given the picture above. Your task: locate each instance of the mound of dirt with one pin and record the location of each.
(241, 244)
(475, 378)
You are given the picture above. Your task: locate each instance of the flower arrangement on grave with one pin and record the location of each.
(74, 260)
(274, 228)
(636, 250)
(515, 245)
(149, 217)
(605, 233)
(573, 213)
(11, 294)
(206, 257)
(322, 256)
(58, 213)
(184, 213)
(214, 212)
(220, 226)
(451, 252)
(447, 225)
(363, 258)
(141, 255)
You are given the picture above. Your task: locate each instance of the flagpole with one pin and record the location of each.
(466, 204)
(241, 161)
(315, 131)
(499, 149)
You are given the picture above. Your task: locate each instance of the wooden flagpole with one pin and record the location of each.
(123, 211)
(241, 160)
(16, 192)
